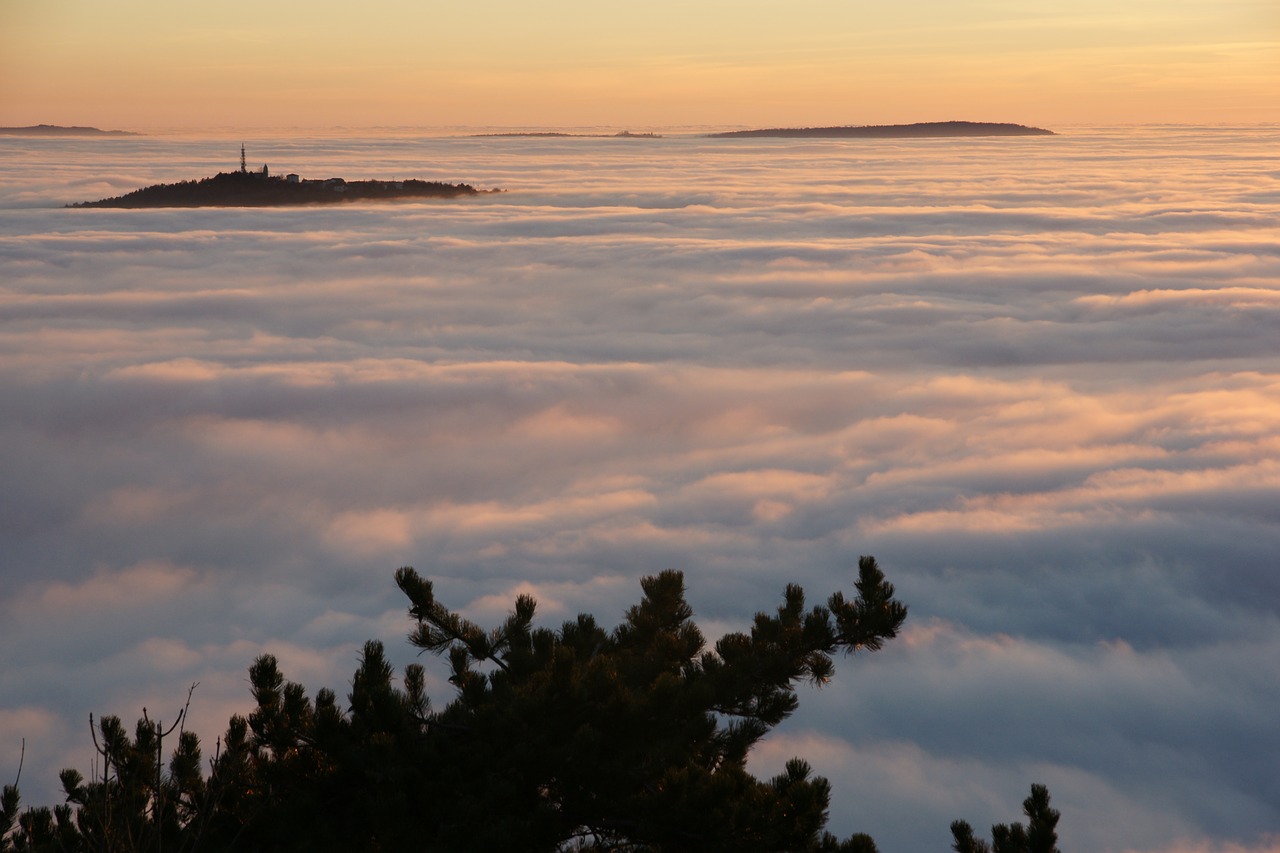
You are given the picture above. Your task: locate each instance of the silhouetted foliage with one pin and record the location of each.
(1038, 836)
(577, 738)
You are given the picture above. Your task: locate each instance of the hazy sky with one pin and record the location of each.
(147, 63)
(1037, 378)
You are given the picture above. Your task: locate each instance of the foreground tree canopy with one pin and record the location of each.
(577, 738)
(1039, 835)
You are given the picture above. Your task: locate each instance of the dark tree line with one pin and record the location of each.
(581, 738)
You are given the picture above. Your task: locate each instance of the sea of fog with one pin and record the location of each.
(1037, 378)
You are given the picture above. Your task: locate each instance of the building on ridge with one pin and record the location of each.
(244, 168)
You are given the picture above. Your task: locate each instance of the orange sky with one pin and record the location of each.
(142, 63)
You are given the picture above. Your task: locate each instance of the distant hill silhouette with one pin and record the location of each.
(55, 130)
(625, 134)
(255, 189)
(892, 131)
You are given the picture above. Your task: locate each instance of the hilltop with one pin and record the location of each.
(257, 189)
(56, 130)
(892, 131)
(624, 134)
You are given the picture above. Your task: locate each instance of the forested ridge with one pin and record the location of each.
(255, 189)
(578, 738)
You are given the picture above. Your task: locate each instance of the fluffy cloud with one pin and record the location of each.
(1036, 378)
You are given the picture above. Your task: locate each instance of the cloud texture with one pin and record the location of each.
(1037, 378)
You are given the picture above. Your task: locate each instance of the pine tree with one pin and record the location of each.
(1038, 836)
(641, 734)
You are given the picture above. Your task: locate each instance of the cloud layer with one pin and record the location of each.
(1036, 378)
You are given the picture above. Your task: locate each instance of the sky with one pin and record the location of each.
(146, 64)
(1036, 377)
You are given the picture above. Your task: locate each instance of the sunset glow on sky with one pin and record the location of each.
(142, 63)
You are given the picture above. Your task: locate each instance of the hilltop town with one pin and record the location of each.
(259, 188)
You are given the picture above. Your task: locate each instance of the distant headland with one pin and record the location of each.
(625, 134)
(929, 129)
(243, 188)
(56, 130)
